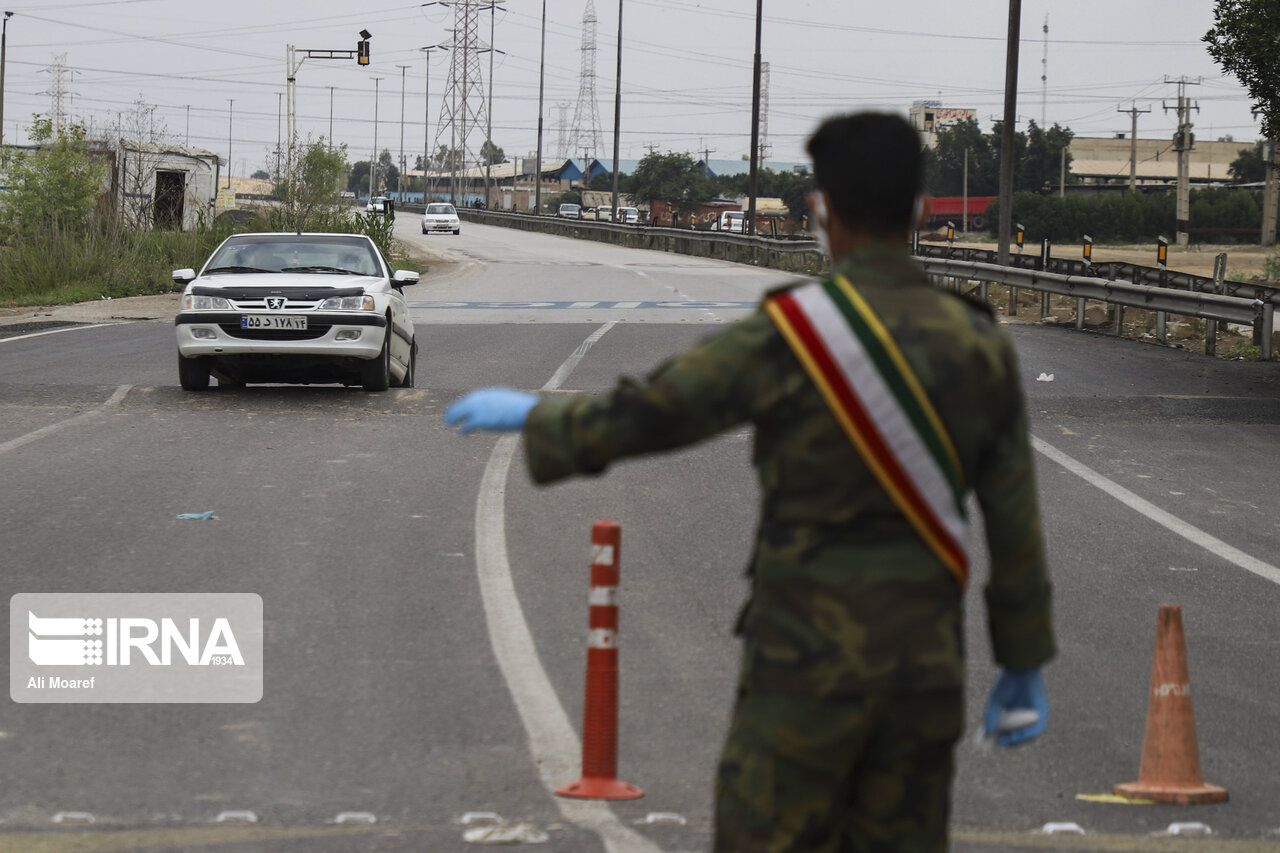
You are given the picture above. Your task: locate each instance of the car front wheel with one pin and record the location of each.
(193, 373)
(375, 374)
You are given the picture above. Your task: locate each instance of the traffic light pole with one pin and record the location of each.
(294, 58)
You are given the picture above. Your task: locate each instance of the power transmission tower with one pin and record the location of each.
(463, 110)
(58, 92)
(1133, 112)
(586, 135)
(562, 130)
(1183, 142)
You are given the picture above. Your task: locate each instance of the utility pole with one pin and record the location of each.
(542, 68)
(331, 88)
(1269, 193)
(617, 119)
(1133, 112)
(1183, 142)
(755, 126)
(706, 159)
(1006, 136)
(279, 111)
(4, 35)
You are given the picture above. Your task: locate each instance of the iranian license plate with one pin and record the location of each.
(273, 321)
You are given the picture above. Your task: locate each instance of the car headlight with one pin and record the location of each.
(347, 303)
(192, 302)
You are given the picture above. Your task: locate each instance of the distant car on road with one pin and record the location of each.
(731, 220)
(297, 308)
(570, 211)
(604, 213)
(377, 204)
(628, 216)
(441, 216)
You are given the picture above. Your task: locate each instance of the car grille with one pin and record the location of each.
(309, 334)
(260, 304)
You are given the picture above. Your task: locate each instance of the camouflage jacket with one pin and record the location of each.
(845, 597)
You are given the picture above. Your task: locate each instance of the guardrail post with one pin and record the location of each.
(1045, 248)
(1211, 326)
(1268, 329)
(1162, 261)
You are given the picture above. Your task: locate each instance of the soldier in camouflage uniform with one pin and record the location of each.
(850, 698)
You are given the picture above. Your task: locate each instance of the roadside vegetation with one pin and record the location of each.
(61, 241)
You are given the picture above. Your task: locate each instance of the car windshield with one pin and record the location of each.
(444, 209)
(337, 255)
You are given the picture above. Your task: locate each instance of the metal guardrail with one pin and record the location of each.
(1212, 307)
(1216, 300)
(800, 256)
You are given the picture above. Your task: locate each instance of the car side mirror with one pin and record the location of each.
(183, 276)
(403, 277)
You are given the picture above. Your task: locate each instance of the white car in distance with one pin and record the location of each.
(298, 308)
(440, 216)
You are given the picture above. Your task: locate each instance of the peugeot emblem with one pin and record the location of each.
(275, 303)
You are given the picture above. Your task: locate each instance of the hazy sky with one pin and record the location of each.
(686, 75)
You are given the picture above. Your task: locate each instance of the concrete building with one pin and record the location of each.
(163, 186)
(1105, 160)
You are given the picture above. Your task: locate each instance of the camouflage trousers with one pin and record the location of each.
(850, 773)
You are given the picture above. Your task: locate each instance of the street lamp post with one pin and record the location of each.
(231, 103)
(4, 31)
(400, 176)
(426, 117)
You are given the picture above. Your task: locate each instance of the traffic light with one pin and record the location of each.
(362, 48)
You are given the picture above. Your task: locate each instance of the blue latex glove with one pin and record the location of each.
(499, 409)
(1019, 691)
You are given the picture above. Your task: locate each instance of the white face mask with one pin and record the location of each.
(818, 201)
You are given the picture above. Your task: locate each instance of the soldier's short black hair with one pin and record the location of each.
(872, 168)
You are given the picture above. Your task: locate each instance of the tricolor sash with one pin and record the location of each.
(879, 402)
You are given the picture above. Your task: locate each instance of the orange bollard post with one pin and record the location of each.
(600, 708)
(1170, 769)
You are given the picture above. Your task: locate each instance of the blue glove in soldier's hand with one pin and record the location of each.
(500, 409)
(1016, 692)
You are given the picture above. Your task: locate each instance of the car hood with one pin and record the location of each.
(281, 280)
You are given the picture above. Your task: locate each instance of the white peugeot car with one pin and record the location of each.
(441, 217)
(295, 308)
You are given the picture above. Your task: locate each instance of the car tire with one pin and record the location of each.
(193, 373)
(375, 374)
(407, 382)
(457, 231)
(424, 229)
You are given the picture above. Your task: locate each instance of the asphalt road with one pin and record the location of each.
(425, 606)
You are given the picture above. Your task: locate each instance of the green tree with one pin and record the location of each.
(491, 154)
(309, 189)
(673, 178)
(446, 159)
(1249, 167)
(358, 178)
(1039, 168)
(1243, 41)
(388, 174)
(944, 163)
(261, 174)
(53, 188)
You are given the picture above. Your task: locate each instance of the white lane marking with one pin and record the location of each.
(114, 400)
(562, 373)
(56, 331)
(1187, 531)
(553, 744)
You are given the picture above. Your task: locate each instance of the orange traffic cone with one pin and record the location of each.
(1170, 770)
